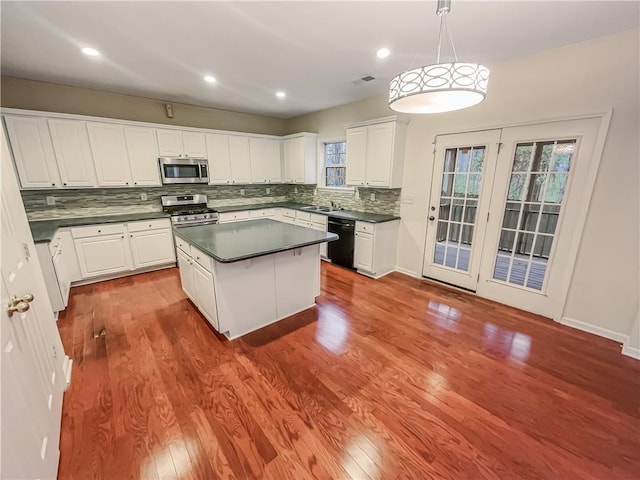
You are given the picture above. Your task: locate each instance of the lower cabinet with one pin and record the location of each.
(375, 248)
(109, 249)
(103, 255)
(154, 247)
(197, 283)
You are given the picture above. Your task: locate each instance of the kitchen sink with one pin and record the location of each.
(317, 208)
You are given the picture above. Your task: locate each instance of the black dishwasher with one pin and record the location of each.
(340, 251)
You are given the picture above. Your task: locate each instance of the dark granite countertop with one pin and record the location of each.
(232, 242)
(44, 230)
(348, 214)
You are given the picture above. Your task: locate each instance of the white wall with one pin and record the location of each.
(584, 78)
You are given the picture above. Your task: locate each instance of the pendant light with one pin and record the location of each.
(441, 87)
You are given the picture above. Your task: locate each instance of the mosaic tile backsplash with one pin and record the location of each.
(109, 201)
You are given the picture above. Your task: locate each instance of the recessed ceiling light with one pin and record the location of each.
(210, 79)
(92, 52)
(281, 94)
(383, 52)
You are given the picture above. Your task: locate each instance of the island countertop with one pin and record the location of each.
(232, 242)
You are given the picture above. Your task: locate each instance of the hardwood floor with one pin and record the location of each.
(394, 378)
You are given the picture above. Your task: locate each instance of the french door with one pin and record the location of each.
(460, 193)
(518, 247)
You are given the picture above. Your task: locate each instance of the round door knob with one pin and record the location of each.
(432, 218)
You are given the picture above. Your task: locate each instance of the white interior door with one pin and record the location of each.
(31, 355)
(460, 194)
(540, 187)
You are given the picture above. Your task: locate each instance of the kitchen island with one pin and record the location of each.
(246, 275)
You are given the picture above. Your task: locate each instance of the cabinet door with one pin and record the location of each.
(186, 274)
(69, 256)
(258, 148)
(273, 161)
(289, 160)
(219, 159)
(64, 281)
(194, 144)
(73, 153)
(240, 159)
(142, 147)
(379, 154)
(356, 155)
(364, 252)
(205, 294)
(33, 152)
(153, 247)
(110, 155)
(169, 143)
(103, 255)
(298, 160)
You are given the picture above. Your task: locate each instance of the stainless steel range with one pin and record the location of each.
(188, 210)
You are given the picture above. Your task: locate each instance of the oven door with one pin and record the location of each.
(183, 170)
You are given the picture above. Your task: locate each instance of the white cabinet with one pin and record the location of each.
(197, 283)
(110, 155)
(265, 160)
(103, 254)
(319, 222)
(356, 156)
(228, 217)
(205, 294)
(73, 153)
(142, 148)
(299, 158)
(151, 243)
(177, 143)
(265, 213)
(292, 294)
(186, 274)
(240, 159)
(375, 154)
(375, 247)
(33, 151)
(219, 159)
(363, 256)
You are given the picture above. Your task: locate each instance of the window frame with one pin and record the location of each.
(322, 164)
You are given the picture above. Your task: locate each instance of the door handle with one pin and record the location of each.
(19, 304)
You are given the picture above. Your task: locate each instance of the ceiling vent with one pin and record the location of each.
(363, 80)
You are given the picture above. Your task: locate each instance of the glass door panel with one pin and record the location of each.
(537, 185)
(462, 162)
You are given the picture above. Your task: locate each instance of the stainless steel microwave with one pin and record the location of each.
(183, 170)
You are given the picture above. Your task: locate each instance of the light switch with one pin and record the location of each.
(373, 197)
(143, 196)
(242, 192)
(51, 200)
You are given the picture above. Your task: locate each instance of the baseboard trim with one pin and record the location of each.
(406, 271)
(632, 352)
(602, 332)
(113, 276)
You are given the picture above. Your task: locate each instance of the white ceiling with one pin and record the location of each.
(311, 50)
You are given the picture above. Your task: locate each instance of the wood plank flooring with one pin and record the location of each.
(386, 379)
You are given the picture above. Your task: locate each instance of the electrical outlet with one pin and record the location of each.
(51, 200)
(356, 195)
(408, 199)
(242, 192)
(295, 189)
(268, 190)
(143, 197)
(373, 197)
(315, 192)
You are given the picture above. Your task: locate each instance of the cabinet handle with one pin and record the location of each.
(99, 231)
(53, 184)
(122, 236)
(135, 183)
(64, 184)
(131, 236)
(126, 183)
(149, 224)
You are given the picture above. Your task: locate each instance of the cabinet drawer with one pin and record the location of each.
(234, 216)
(54, 245)
(149, 225)
(319, 219)
(266, 213)
(365, 227)
(182, 245)
(202, 258)
(98, 230)
(285, 212)
(303, 216)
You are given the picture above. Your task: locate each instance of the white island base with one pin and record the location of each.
(240, 297)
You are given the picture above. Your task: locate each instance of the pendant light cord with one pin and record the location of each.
(444, 30)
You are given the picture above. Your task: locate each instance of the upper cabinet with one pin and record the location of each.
(176, 143)
(299, 158)
(33, 152)
(109, 154)
(266, 163)
(142, 148)
(219, 159)
(240, 159)
(73, 153)
(59, 151)
(375, 154)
